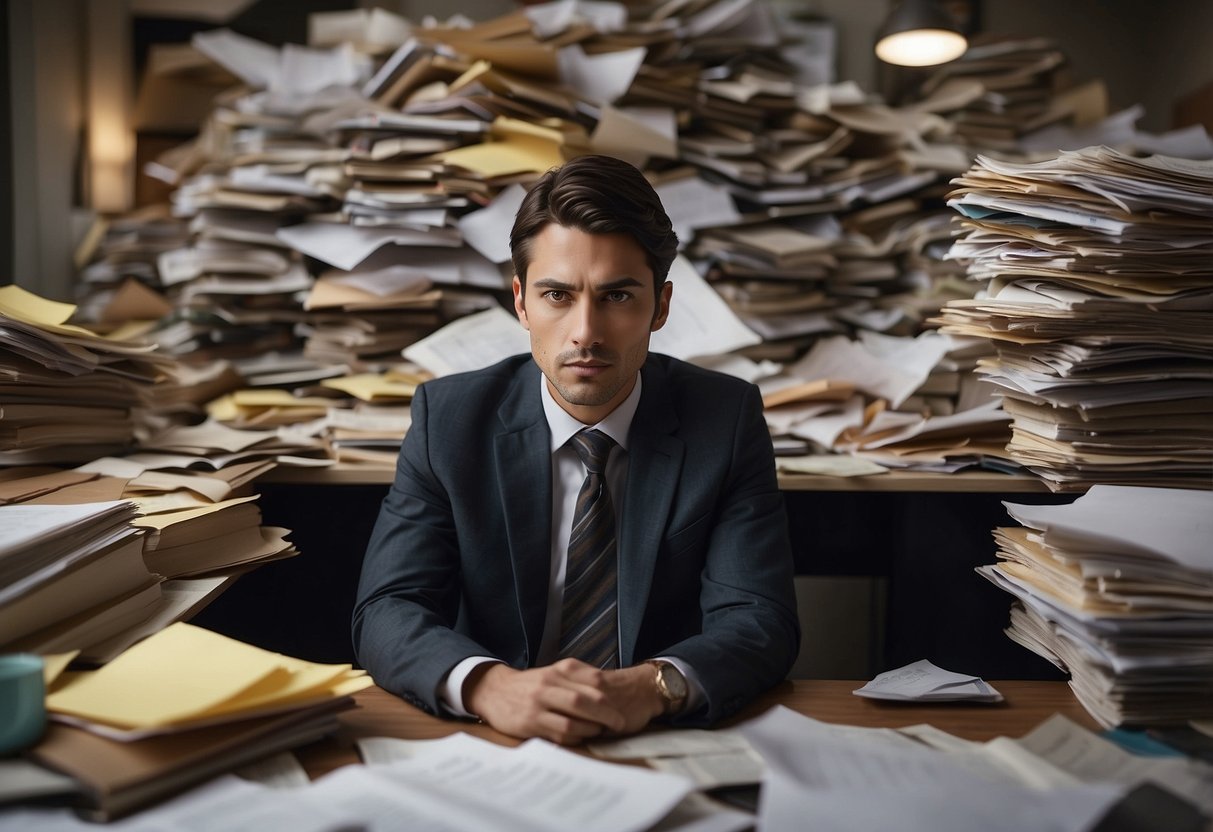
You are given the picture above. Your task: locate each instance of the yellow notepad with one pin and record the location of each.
(186, 674)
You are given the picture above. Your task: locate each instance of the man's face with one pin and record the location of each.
(590, 309)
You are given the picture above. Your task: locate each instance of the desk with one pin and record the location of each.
(965, 482)
(380, 714)
(905, 543)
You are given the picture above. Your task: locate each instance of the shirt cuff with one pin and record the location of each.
(695, 694)
(450, 694)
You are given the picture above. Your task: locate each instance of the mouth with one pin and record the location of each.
(587, 369)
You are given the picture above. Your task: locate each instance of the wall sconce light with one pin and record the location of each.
(919, 33)
(110, 150)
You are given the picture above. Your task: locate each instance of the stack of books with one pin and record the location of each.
(1098, 275)
(180, 707)
(1117, 589)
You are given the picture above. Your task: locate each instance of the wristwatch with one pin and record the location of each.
(671, 686)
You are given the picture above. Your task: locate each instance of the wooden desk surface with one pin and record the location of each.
(987, 482)
(380, 714)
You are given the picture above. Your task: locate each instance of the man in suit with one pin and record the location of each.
(591, 536)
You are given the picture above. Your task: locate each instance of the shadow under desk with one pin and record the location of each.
(905, 545)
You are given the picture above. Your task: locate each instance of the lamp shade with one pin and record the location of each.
(919, 33)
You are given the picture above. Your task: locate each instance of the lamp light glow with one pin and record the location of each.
(921, 47)
(919, 33)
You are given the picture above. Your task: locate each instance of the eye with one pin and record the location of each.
(617, 296)
(556, 295)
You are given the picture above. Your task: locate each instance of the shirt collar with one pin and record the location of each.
(562, 426)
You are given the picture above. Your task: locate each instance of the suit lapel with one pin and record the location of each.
(523, 459)
(654, 464)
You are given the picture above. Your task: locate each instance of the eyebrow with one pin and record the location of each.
(620, 283)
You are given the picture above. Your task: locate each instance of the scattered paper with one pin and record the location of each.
(924, 682)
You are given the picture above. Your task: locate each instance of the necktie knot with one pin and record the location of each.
(593, 446)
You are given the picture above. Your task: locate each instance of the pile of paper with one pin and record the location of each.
(898, 402)
(1005, 87)
(179, 707)
(354, 197)
(1117, 589)
(1099, 299)
(72, 576)
(66, 393)
(1060, 776)
(100, 593)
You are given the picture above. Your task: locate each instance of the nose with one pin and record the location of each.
(586, 323)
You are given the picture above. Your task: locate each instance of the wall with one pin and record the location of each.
(46, 69)
(1148, 53)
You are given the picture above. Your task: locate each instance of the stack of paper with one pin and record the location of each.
(71, 576)
(118, 259)
(1099, 301)
(1117, 588)
(181, 706)
(66, 393)
(352, 199)
(218, 537)
(99, 601)
(1003, 88)
(897, 402)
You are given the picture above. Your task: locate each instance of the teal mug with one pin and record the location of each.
(22, 701)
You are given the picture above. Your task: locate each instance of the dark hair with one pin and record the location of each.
(597, 195)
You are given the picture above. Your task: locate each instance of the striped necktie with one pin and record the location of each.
(588, 628)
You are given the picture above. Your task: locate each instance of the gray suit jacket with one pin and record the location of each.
(459, 560)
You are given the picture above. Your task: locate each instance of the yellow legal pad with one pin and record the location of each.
(185, 674)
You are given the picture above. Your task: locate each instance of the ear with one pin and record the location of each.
(520, 304)
(663, 306)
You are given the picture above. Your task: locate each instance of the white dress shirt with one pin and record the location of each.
(568, 474)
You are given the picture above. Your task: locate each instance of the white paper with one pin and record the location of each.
(1171, 523)
(26, 524)
(925, 682)
(345, 246)
(848, 782)
(305, 71)
(693, 203)
(599, 78)
(250, 60)
(669, 744)
(700, 322)
(549, 19)
(713, 771)
(470, 343)
(488, 230)
(824, 429)
(1093, 759)
(540, 786)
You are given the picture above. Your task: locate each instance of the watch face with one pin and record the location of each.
(673, 682)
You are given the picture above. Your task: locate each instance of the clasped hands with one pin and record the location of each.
(567, 702)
